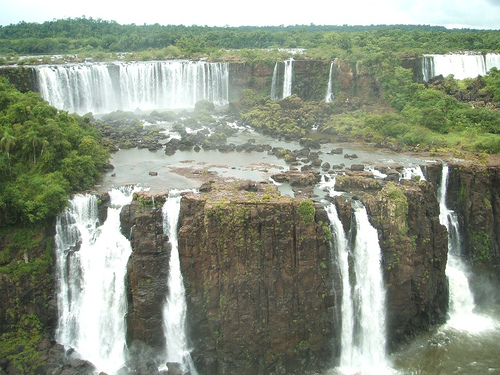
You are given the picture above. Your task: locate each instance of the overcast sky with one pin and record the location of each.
(478, 14)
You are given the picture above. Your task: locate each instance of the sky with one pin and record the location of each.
(476, 14)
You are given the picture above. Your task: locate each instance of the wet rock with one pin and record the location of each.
(357, 167)
(336, 151)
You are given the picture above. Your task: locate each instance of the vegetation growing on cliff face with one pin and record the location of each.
(46, 153)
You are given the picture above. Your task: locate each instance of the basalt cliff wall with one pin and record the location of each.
(263, 289)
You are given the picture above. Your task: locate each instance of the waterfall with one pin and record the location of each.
(460, 65)
(103, 88)
(363, 331)
(274, 84)
(461, 300)
(174, 310)
(329, 91)
(287, 80)
(91, 263)
(347, 312)
(413, 172)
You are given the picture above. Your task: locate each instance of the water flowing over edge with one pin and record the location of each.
(460, 65)
(461, 300)
(104, 88)
(91, 262)
(174, 309)
(363, 331)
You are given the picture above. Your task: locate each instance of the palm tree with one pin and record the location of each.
(8, 140)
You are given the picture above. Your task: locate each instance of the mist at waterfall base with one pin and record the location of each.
(469, 342)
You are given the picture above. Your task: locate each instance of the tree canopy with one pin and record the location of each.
(77, 35)
(45, 154)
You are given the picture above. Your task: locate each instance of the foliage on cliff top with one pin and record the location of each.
(45, 154)
(100, 37)
(425, 118)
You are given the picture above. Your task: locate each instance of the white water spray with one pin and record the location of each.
(329, 90)
(460, 65)
(91, 262)
(363, 307)
(103, 88)
(174, 310)
(288, 77)
(461, 300)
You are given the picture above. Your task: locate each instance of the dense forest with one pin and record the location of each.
(94, 36)
(45, 155)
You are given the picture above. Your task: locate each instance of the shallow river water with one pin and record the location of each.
(472, 348)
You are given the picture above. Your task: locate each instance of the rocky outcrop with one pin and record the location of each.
(258, 281)
(147, 273)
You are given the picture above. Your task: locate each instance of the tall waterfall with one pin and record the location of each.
(329, 89)
(460, 65)
(103, 88)
(91, 263)
(287, 80)
(363, 334)
(274, 84)
(174, 310)
(461, 300)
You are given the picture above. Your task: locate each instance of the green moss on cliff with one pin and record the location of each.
(306, 210)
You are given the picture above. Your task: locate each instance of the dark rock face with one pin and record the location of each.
(257, 276)
(147, 274)
(28, 310)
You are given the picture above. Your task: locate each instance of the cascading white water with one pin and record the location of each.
(174, 310)
(91, 263)
(460, 65)
(288, 78)
(413, 172)
(274, 84)
(461, 300)
(363, 334)
(347, 312)
(77, 88)
(329, 90)
(103, 88)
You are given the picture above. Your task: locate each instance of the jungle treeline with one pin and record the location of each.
(77, 35)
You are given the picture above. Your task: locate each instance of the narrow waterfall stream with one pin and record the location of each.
(274, 84)
(288, 78)
(91, 263)
(329, 89)
(174, 310)
(461, 301)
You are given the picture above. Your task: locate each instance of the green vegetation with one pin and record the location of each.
(46, 154)
(306, 211)
(20, 345)
(102, 38)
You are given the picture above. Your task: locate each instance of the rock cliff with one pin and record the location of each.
(257, 274)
